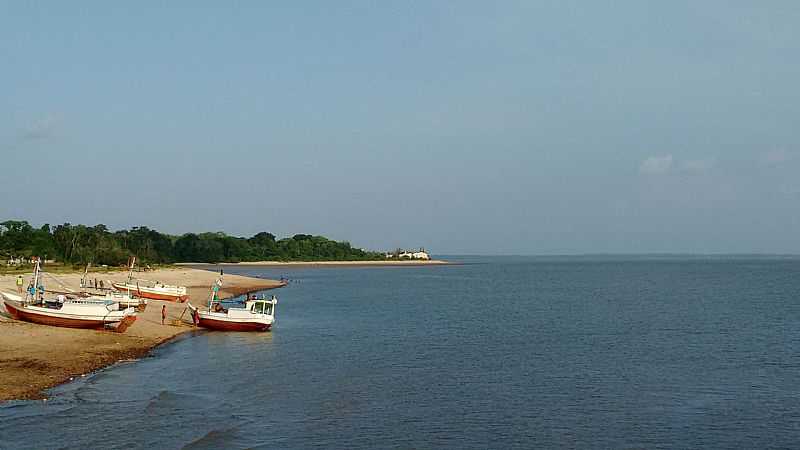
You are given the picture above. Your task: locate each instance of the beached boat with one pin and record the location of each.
(151, 290)
(123, 299)
(258, 314)
(63, 311)
(156, 291)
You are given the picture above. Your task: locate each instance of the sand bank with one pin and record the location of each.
(36, 357)
(405, 262)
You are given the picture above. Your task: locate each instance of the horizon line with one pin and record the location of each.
(551, 255)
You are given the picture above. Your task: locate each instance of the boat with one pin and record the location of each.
(151, 290)
(66, 311)
(123, 299)
(156, 291)
(258, 314)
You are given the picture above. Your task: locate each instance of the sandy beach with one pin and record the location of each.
(404, 262)
(36, 357)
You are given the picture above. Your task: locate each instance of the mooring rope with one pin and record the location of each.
(59, 282)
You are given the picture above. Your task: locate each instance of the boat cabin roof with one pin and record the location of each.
(265, 301)
(90, 301)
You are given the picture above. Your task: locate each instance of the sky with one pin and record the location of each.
(465, 127)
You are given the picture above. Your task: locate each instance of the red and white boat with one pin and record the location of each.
(61, 311)
(123, 299)
(151, 290)
(256, 315)
(154, 291)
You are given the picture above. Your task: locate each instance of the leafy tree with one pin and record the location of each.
(187, 247)
(81, 244)
(17, 237)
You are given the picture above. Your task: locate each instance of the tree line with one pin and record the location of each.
(81, 244)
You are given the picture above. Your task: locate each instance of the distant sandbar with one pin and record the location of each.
(432, 262)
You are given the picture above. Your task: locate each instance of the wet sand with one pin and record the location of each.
(36, 357)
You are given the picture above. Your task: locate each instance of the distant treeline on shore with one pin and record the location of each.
(80, 244)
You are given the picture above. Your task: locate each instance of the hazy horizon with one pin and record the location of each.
(535, 128)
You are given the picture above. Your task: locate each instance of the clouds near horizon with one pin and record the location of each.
(43, 127)
(656, 164)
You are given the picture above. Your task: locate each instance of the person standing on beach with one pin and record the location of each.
(163, 313)
(20, 282)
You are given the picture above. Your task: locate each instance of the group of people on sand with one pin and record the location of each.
(95, 283)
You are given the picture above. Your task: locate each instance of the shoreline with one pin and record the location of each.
(38, 357)
(405, 262)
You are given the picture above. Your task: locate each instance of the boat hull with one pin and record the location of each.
(225, 325)
(21, 313)
(147, 293)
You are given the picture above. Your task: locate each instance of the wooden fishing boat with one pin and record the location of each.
(256, 315)
(151, 290)
(123, 299)
(155, 291)
(63, 311)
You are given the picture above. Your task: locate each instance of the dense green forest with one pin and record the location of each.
(79, 244)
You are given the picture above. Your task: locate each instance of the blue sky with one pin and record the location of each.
(465, 127)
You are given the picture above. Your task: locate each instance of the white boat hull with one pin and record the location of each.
(234, 319)
(169, 293)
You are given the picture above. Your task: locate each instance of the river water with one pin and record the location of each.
(511, 352)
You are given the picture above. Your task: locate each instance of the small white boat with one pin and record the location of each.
(62, 311)
(154, 291)
(151, 290)
(123, 299)
(256, 315)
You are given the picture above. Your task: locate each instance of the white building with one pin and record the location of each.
(405, 254)
(421, 254)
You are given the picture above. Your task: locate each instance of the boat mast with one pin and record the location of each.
(85, 273)
(35, 279)
(130, 269)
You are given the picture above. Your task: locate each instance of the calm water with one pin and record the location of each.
(506, 352)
